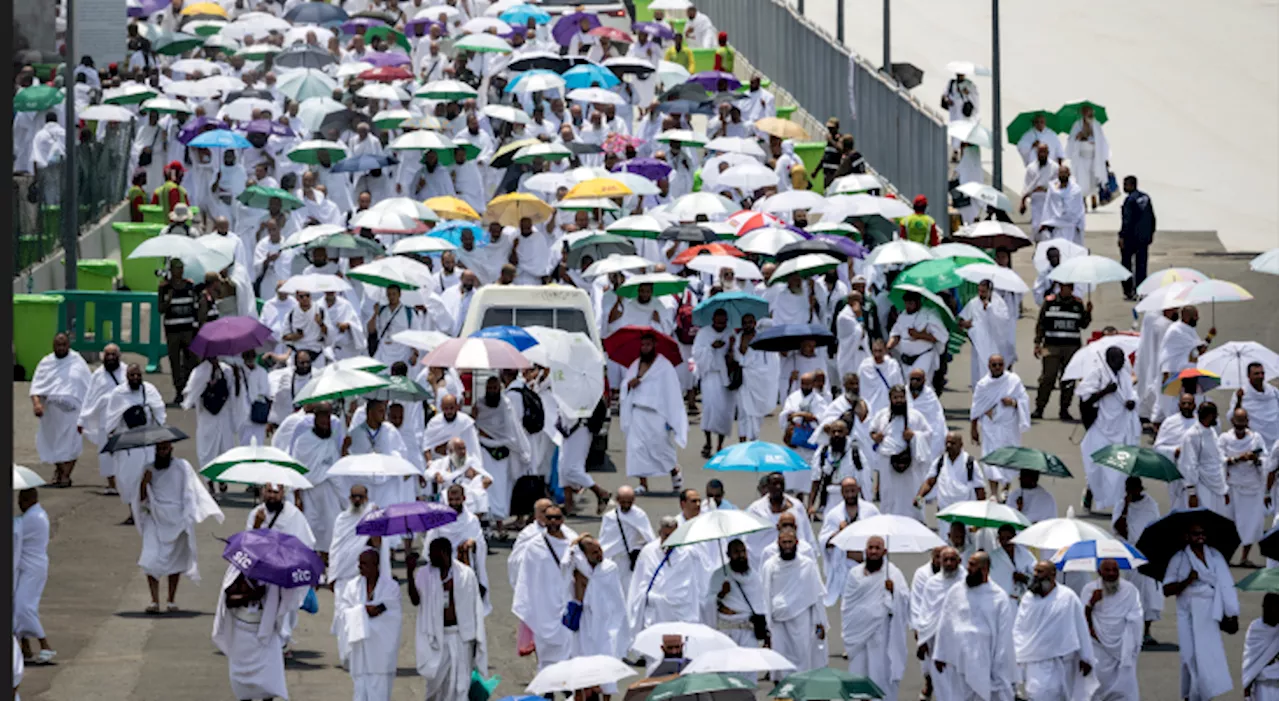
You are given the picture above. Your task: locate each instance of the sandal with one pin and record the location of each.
(602, 503)
(153, 609)
(171, 608)
(706, 451)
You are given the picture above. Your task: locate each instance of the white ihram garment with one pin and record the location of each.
(63, 383)
(653, 416)
(974, 640)
(252, 639)
(446, 656)
(1201, 606)
(1051, 638)
(1117, 625)
(367, 645)
(874, 625)
(1116, 425)
(31, 571)
(793, 592)
(1000, 426)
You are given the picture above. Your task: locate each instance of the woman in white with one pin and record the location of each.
(1089, 153)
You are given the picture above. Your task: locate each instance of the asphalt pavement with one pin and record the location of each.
(109, 650)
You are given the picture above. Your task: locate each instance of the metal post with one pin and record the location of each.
(997, 161)
(70, 203)
(800, 7)
(840, 22)
(888, 65)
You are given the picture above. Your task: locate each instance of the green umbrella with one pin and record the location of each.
(1066, 116)
(205, 27)
(983, 514)
(402, 389)
(131, 94)
(692, 684)
(308, 152)
(1023, 123)
(927, 298)
(1019, 458)
(260, 197)
(1266, 581)
(174, 43)
(599, 247)
(349, 245)
(482, 44)
(249, 454)
(663, 284)
(826, 684)
(387, 33)
(36, 98)
(1139, 462)
(933, 275)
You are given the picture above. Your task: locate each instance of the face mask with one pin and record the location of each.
(973, 579)
(274, 507)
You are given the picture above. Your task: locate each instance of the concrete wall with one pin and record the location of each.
(99, 241)
(33, 26)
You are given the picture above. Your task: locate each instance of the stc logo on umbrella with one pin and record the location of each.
(242, 560)
(300, 576)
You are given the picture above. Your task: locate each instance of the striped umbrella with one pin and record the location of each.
(476, 354)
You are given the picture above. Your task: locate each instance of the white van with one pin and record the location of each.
(555, 306)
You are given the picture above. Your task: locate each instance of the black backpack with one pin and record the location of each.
(216, 394)
(534, 418)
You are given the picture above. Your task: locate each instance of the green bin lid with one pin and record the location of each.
(37, 299)
(99, 266)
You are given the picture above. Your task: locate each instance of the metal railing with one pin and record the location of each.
(103, 165)
(902, 139)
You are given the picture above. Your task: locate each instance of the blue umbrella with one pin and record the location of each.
(363, 163)
(514, 335)
(274, 557)
(757, 456)
(219, 138)
(452, 232)
(1085, 555)
(521, 14)
(734, 303)
(589, 74)
(784, 338)
(511, 86)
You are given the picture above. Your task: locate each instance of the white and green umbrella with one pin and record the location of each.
(335, 384)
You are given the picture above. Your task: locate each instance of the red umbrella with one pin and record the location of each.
(748, 220)
(614, 34)
(387, 74)
(623, 347)
(713, 249)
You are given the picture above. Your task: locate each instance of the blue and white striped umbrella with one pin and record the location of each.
(1085, 555)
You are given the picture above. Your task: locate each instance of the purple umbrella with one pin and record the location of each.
(146, 8)
(195, 127)
(383, 59)
(650, 168)
(230, 335)
(569, 24)
(353, 24)
(847, 246)
(711, 80)
(413, 517)
(421, 26)
(274, 557)
(656, 30)
(266, 126)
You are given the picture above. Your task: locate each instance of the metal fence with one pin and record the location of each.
(103, 178)
(904, 141)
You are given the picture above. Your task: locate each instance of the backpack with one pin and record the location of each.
(216, 394)
(534, 418)
(686, 332)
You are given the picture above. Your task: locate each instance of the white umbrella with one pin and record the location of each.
(1090, 270)
(789, 201)
(1231, 361)
(1214, 291)
(748, 177)
(576, 364)
(1163, 298)
(347, 70)
(742, 268)
(313, 111)
(164, 104)
(987, 195)
(959, 250)
(546, 183)
(698, 639)
(840, 207)
(1094, 355)
(308, 234)
(670, 5)
(408, 207)
(617, 263)
(689, 207)
(422, 244)
(654, 279)
(191, 89)
(242, 110)
(315, 283)
(736, 144)
(586, 204)
(107, 113)
(992, 231)
(1002, 279)
(766, 241)
(596, 96)
(899, 252)
(336, 383)
(638, 184)
(305, 82)
(987, 510)
(579, 673)
(637, 223)
(362, 363)
(672, 73)
(547, 151)
(901, 534)
(1168, 276)
(716, 525)
(833, 227)
(373, 465)
(506, 113)
(683, 136)
(970, 132)
(422, 140)
(444, 89)
(406, 271)
(25, 478)
(383, 91)
(433, 12)
(538, 82)
(263, 473)
(191, 252)
(1268, 262)
(742, 660)
(854, 184)
(1054, 533)
(1086, 555)
(804, 266)
(966, 68)
(255, 453)
(480, 25)
(425, 341)
(1066, 251)
(388, 221)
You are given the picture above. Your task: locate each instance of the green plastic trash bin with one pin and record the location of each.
(643, 13)
(139, 273)
(95, 275)
(153, 214)
(36, 318)
(704, 60)
(810, 153)
(785, 111)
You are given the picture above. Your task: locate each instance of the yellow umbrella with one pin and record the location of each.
(508, 210)
(781, 128)
(452, 208)
(599, 187)
(204, 8)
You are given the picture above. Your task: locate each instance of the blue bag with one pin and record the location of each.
(311, 604)
(572, 617)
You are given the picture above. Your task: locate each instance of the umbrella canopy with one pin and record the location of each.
(901, 534)
(230, 335)
(716, 525)
(741, 660)
(637, 226)
(854, 184)
(599, 247)
(142, 437)
(36, 98)
(1056, 533)
(219, 138)
(337, 383)
(767, 241)
(623, 345)
(1163, 298)
(663, 284)
(315, 283)
(786, 338)
(252, 453)
(716, 80)
(1195, 380)
(791, 201)
(1091, 270)
(1266, 581)
(742, 269)
(1268, 262)
(689, 207)
(1231, 362)
(1213, 291)
(1067, 115)
(374, 465)
(1168, 276)
(713, 249)
(899, 252)
(697, 686)
(993, 234)
(804, 265)
(837, 248)
(579, 673)
(509, 209)
(425, 341)
(971, 132)
(25, 478)
(1003, 279)
(476, 354)
(422, 245)
(826, 684)
(257, 473)
(757, 456)
(516, 336)
(617, 264)
(1162, 539)
(735, 303)
(308, 82)
(698, 638)
(274, 557)
(1023, 458)
(588, 75)
(986, 194)
(1024, 122)
(1086, 555)
(321, 13)
(399, 519)
(927, 299)
(449, 90)
(483, 44)
(259, 197)
(1137, 461)
(402, 389)
(934, 275)
(782, 128)
(108, 113)
(1094, 354)
(453, 208)
(984, 514)
(737, 144)
(689, 233)
(570, 23)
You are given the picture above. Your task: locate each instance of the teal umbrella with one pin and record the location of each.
(1266, 581)
(826, 684)
(1137, 461)
(1021, 458)
(694, 684)
(349, 246)
(599, 247)
(933, 275)
(260, 197)
(927, 299)
(36, 98)
(402, 389)
(174, 43)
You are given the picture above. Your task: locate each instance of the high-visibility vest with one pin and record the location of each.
(169, 195)
(918, 228)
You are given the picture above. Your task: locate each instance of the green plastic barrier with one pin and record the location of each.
(95, 275)
(786, 111)
(677, 24)
(704, 60)
(810, 153)
(108, 312)
(139, 273)
(36, 318)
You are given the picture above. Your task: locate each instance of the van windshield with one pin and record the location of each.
(571, 320)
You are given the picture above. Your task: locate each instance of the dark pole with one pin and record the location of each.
(997, 135)
(70, 205)
(840, 22)
(800, 7)
(888, 65)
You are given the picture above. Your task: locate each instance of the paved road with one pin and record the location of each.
(109, 650)
(1192, 103)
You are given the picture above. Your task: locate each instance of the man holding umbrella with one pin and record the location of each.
(1207, 605)
(1108, 394)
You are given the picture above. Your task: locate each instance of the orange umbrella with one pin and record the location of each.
(713, 249)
